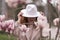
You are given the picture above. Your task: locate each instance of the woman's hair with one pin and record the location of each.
(25, 20)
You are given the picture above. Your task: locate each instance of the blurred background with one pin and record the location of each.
(11, 8)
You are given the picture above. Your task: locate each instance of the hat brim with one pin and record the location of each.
(26, 15)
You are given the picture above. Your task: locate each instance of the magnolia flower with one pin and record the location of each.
(44, 2)
(24, 28)
(11, 31)
(12, 3)
(8, 26)
(54, 2)
(42, 18)
(4, 24)
(42, 21)
(9, 22)
(6, 30)
(2, 17)
(0, 26)
(58, 2)
(11, 26)
(45, 32)
(56, 21)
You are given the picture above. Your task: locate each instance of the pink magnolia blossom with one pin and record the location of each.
(8, 26)
(58, 5)
(45, 32)
(24, 28)
(2, 17)
(56, 21)
(11, 31)
(6, 30)
(4, 24)
(0, 26)
(42, 21)
(12, 3)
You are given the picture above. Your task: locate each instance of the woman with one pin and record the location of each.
(27, 25)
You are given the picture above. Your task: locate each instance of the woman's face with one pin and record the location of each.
(31, 20)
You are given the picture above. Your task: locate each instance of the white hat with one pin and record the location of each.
(30, 11)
